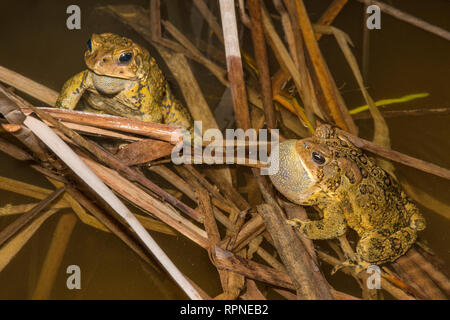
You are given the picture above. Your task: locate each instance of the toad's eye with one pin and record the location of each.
(318, 158)
(89, 45)
(125, 57)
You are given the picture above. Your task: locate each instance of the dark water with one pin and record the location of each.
(403, 60)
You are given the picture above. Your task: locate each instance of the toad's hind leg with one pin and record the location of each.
(416, 220)
(381, 245)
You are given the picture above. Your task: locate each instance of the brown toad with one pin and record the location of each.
(329, 172)
(123, 79)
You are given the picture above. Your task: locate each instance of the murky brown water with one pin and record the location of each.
(403, 59)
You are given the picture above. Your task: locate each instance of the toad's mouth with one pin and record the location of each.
(112, 75)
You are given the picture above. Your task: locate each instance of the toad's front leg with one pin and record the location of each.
(332, 225)
(174, 113)
(73, 89)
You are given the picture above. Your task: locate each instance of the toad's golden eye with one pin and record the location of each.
(318, 158)
(125, 57)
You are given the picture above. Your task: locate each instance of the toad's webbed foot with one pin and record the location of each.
(358, 266)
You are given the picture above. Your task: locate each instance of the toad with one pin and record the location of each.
(123, 79)
(329, 172)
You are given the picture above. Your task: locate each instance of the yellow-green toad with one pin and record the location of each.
(329, 172)
(122, 79)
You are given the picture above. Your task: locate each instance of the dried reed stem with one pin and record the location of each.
(260, 52)
(319, 65)
(55, 254)
(234, 64)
